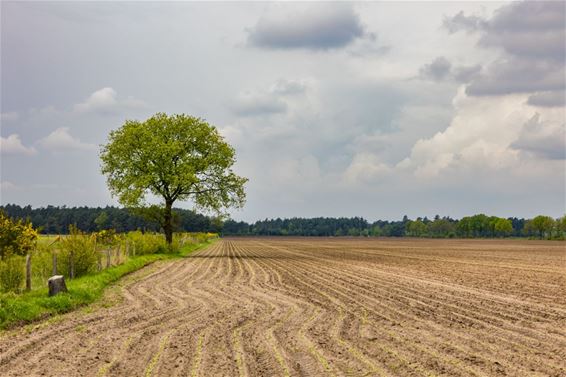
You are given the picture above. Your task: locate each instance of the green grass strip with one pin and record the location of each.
(20, 309)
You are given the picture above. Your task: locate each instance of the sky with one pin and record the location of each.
(378, 109)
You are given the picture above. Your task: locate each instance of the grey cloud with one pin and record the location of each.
(368, 46)
(466, 73)
(518, 76)
(535, 30)
(287, 87)
(251, 104)
(437, 70)
(462, 22)
(441, 69)
(548, 99)
(531, 15)
(534, 16)
(549, 44)
(320, 27)
(533, 36)
(268, 101)
(547, 140)
(369, 49)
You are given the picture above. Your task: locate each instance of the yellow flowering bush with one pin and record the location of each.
(17, 237)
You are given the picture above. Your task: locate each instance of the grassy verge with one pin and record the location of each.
(19, 309)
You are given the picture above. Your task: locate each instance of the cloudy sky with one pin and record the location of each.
(335, 109)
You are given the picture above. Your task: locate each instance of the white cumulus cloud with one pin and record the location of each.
(61, 139)
(13, 145)
(479, 137)
(106, 101)
(366, 168)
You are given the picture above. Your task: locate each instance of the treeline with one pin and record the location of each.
(56, 220)
(477, 226)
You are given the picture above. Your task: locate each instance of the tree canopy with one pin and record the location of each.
(175, 158)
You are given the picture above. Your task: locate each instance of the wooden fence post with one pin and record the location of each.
(99, 254)
(28, 272)
(108, 262)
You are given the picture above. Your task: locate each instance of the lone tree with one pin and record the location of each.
(177, 157)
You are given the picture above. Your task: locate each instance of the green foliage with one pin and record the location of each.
(107, 237)
(416, 228)
(101, 221)
(77, 253)
(503, 227)
(17, 237)
(441, 228)
(12, 274)
(561, 222)
(542, 226)
(474, 226)
(147, 243)
(375, 231)
(176, 157)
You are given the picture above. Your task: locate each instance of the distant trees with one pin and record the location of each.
(57, 220)
(561, 223)
(416, 228)
(320, 226)
(101, 221)
(503, 227)
(542, 225)
(477, 226)
(441, 227)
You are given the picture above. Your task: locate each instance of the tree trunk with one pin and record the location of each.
(167, 222)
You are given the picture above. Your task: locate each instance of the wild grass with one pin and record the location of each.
(20, 309)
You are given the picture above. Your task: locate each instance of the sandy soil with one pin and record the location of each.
(318, 307)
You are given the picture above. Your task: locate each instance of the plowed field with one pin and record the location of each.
(319, 307)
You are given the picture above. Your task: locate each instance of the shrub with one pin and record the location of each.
(16, 236)
(12, 274)
(199, 237)
(146, 243)
(77, 250)
(107, 237)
